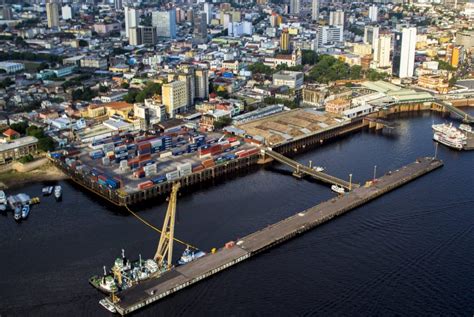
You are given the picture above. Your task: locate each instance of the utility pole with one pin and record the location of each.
(350, 181)
(375, 172)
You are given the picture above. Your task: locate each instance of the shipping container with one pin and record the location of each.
(145, 185)
(159, 179)
(172, 175)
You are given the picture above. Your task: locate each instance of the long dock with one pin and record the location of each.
(180, 277)
(301, 169)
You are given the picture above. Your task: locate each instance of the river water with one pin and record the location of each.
(410, 252)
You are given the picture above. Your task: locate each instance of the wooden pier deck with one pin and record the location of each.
(183, 276)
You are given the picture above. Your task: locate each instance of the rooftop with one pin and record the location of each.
(27, 140)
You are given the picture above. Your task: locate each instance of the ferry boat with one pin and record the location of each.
(58, 192)
(105, 302)
(338, 189)
(189, 256)
(450, 140)
(319, 168)
(25, 211)
(124, 274)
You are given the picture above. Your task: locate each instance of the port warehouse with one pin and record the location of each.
(124, 185)
(234, 252)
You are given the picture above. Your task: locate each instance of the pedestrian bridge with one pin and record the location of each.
(300, 170)
(449, 107)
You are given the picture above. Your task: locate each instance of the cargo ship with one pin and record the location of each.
(449, 135)
(124, 274)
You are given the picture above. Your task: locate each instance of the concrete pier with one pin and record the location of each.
(180, 277)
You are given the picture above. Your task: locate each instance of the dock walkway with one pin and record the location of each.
(183, 276)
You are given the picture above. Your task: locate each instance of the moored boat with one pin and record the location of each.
(17, 213)
(25, 211)
(48, 190)
(449, 140)
(338, 189)
(105, 302)
(3, 201)
(319, 168)
(189, 256)
(58, 192)
(465, 128)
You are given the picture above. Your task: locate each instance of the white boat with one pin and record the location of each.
(58, 192)
(189, 256)
(48, 190)
(3, 201)
(465, 128)
(17, 213)
(25, 211)
(338, 189)
(319, 168)
(105, 302)
(451, 141)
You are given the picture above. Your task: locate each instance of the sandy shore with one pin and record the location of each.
(47, 172)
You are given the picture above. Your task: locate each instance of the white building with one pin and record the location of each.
(382, 51)
(373, 13)
(208, 11)
(315, 10)
(371, 34)
(237, 29)
(131, 19)
(294, 7)
(404, 52)
(291, 79)
(329, 34)
(336, 18)
(11, 67)
(66, 12)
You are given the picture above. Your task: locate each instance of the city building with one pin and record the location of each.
(315, 10)
(66, 12)
(52, 14)
(118, 5)
(285, 40)
(18, 148)
(336, 18)
(295, 7)
(11, 67)
(175, 97)
(434, 82)
(330, 34)
(94, 62)
(200, 27)
(291, 79)
(338, 105)
(202, 83)
(382, 51)
(147, 35)
(371, 34)
(238, 29)
(373, 13)
(208, 10)
(131, 19)
(404, 53)
(165, 22)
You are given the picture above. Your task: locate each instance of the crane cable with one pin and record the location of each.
(158, 230)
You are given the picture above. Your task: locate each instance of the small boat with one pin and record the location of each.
(48, 190)
(189, 256)
(3, 201)
(105, 302)
(58, 192)
(319, 168)
(17, 213)
(465, 128)
(338, 189)
(25, 211)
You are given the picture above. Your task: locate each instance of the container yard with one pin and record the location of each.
(129, 163)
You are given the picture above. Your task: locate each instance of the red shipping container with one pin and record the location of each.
(102, 177)
(198, 168)
(144, 157)
(145, 185)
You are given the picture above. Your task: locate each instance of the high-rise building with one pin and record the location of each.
(403, 63)
(202, 84)
(294, 7)
(336, 18)
(188, 78)
(200, 27)
(131, 19)
(315, 10)
(52, 13)
(118, 5)
(382, 51)
(373, 13)
(285, 40)
(143, 35)
(208, 11)
(66, 12)
(330, 34)
(6, 12)
(175, 97)
(134, 36)
(165, 22)
(371, 34)
(226, 18)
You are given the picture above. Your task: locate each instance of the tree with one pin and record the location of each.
(46, 144)
(83, 43)
(35, 131)
(222, 122)
(103, 89)
(452, 81)
(20, 127)
(309, 57)
(260, 68)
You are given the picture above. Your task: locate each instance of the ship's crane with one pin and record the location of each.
(164, 252)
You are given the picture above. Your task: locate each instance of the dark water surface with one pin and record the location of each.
(410, 252)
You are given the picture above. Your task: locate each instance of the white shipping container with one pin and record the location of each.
(184, 166)
(121, 148)
(172, 175)
(185, 173)
(236, 143)
(105, 160)
(108, 147)
(123, 163)
(166, 154)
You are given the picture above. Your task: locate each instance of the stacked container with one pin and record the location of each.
(150, 169)
(96, 154)
(171, 176)
(184, 169)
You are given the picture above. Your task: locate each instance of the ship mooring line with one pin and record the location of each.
(158, 230)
